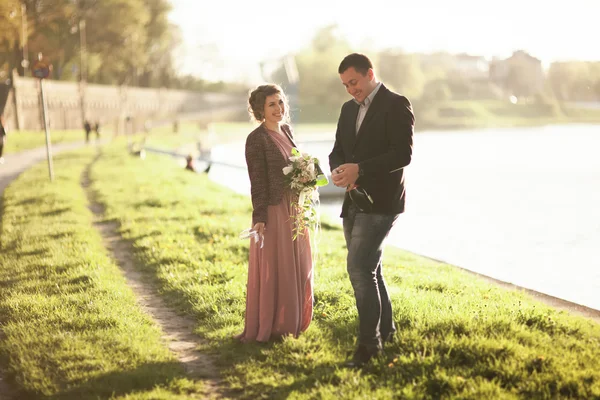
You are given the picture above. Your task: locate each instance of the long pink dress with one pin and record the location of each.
(279, 297)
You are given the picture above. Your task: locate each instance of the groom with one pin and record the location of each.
(373, 143)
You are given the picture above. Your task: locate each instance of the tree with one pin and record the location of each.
(321, 93)
(10, 35)
(50, 33)
(525, 77)
(401, 72)
(161, 37)
(575, 80)
(436, 91)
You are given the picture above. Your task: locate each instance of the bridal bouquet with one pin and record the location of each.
(304, 175)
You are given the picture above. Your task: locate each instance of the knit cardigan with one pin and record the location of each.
(265, 169)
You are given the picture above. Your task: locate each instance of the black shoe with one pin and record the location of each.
(362, 356)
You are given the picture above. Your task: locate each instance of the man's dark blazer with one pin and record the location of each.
(382, 148)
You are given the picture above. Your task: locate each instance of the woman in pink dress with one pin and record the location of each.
(279, 297)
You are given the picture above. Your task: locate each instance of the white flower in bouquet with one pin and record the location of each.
(287, 170)
(303, 175)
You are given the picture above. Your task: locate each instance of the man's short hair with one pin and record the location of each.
(360, 62)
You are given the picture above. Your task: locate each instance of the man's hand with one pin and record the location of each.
(345, 175)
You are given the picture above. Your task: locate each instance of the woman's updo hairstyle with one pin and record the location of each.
(258, 97)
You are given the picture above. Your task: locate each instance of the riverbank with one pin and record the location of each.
(458, 336)
(473, 114)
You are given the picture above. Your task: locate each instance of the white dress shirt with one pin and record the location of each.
(364, 107)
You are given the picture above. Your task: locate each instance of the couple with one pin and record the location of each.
(373, 144)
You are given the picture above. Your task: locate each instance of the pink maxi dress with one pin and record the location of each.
(279, 296)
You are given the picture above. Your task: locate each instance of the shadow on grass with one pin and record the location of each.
(155, 203)
(39, 271)
(137, 239)
(30, 201)
(324, 373)
(32, 253)
(57, 286)
(55, 212)
(61, 235)
(144, 378)
(327, 226)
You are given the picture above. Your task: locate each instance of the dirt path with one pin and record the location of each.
(177, 329)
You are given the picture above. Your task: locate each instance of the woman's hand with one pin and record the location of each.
(260, 228)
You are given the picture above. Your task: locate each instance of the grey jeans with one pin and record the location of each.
(365, 234)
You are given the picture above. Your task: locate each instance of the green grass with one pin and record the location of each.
(18, 141)
(71, 326)
(459, 337)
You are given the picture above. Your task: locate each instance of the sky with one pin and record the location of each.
(227, 39)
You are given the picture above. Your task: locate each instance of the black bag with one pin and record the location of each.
(361, 199)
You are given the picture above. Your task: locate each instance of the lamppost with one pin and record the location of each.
(41, 70)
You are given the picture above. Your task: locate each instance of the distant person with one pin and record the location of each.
(97, 129)
(373, 144)
(128, 125)
(87, 127)
(279, 293)
(205, 153)
(3, 135)
(138, 149)
(189, 163)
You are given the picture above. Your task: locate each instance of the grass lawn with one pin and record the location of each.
(18, 141)
(459, 337)
(71, 327)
